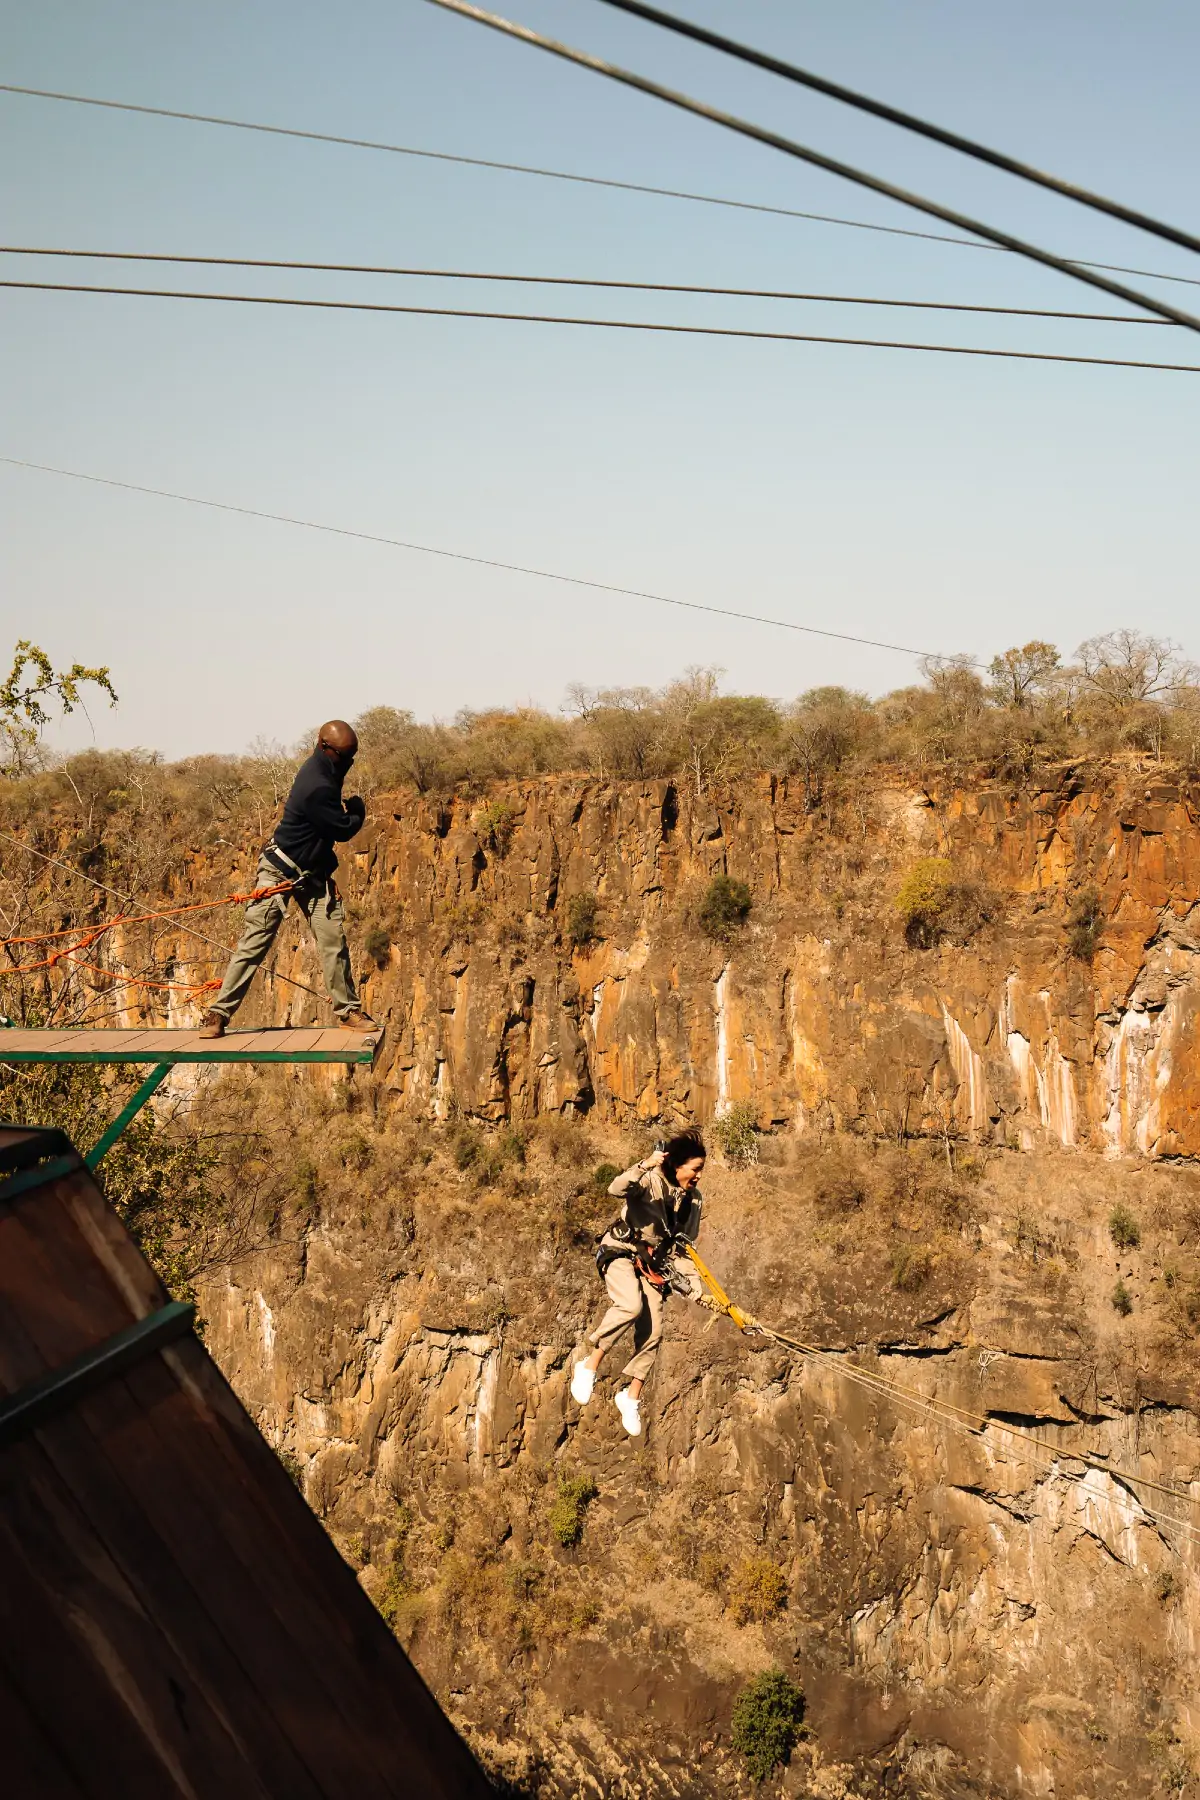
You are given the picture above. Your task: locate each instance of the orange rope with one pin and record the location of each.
(174, 987)
(91, 937)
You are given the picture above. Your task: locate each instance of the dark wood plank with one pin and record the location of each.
(217, 1664)
(64, 1456)
(104, 1746)
(387, 1679)
(201, 1482)
(53, 1286)
(79, 1196)
(276, 1533)
(157, 1441)
(32, 1767)
(134, 1668)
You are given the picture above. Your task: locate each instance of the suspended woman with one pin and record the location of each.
(641, 1261)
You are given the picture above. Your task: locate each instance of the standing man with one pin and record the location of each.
(315, 818)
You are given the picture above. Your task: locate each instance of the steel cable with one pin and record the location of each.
(907, 121)
(719, 331)
(628, 187)
(953, 1417)
(486, 562)
(641, 287)
(816, 158)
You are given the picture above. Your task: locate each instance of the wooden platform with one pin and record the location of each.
(174, 1622)
(314, 1045)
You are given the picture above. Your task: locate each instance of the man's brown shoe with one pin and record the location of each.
(358, 1021)
(212, 1025)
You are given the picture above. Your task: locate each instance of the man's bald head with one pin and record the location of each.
(339, 739)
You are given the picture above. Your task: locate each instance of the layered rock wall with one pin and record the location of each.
(817, 1013)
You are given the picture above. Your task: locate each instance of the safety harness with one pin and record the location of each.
(650, 1264)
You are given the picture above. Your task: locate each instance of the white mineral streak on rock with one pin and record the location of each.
(1131, 1122)
(1047, 1093)
(1057, 1091)
(1108, 1511)
(312, 1419)
(485, 1407)
(968, 1071)
(722, 1041)
(441, 1090)
(267, 1323)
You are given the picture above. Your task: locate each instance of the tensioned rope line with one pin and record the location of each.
(717, 331)
(93, 933)
(833, 90)
(1039, 1450)
(818, 160)
(485, 562)
(945, 1413)
(103, 886)
(629, 187)
(585, 281)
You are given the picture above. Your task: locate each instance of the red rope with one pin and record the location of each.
(91, 937)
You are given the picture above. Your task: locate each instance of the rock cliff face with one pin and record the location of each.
(816, 1013)
(1000, 1602)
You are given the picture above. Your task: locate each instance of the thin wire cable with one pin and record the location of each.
(718, 331)
(573, 281)
(879, 109)
(486, 562)
(103, 886)
(944, 1412)
(628, 187)
(1039, 1450)
(818, 160)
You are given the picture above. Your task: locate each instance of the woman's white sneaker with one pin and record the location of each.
(627, 1406)
(582, 1383)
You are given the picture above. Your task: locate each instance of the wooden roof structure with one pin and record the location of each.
(175, 1624)
(89, 1045)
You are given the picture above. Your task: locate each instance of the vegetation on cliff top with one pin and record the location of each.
(1124, 692)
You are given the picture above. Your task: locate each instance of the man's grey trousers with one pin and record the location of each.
(326, 921)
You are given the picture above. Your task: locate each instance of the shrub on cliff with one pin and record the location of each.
(569, 1507)
(912, 1265)
(923, 900)
(377, 944)
(724, 908)
(736, 1133)
(1085, 921)
(1123, 1228)
(582, 913)
(934, 903)
(767, 1721)
(495, 824)
(757, 1590)
(1122, 1300)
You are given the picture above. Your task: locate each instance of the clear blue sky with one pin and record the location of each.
(950, 503)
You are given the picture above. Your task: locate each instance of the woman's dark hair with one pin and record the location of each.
(685, 1147)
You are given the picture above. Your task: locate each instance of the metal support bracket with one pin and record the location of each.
(25, 1410)
(128, 1113)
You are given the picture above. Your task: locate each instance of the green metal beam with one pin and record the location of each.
(31, 1406)
(152, 1082)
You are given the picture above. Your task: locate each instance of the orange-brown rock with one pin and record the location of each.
(816, 1012)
